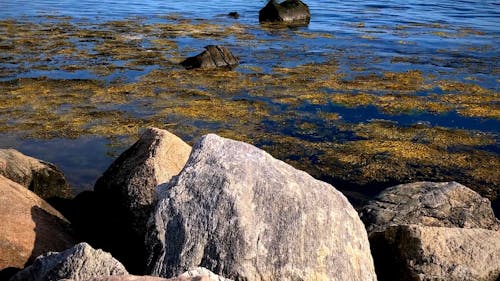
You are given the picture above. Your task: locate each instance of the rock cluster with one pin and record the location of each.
(226, 210)
(433, 231)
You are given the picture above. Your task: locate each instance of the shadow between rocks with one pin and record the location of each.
(51, 234)
(98, 219)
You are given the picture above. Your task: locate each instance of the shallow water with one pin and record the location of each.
(369, 94)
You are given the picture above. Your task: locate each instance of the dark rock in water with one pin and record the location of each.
(79, 262)
(416, 253)
(43, 178)
(233, 15)
(239, 212)
(290, 11)
(29, 227)
(447, 204)
(213, 57)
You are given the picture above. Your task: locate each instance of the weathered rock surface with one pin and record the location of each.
(213, 57)
(447, 204)
(124, 195)
(411, 252)
(289, 11)
(197, 274)
(80, 262)
(29, 226)
(43, 178)
(244, 215)
(132, 178)
(201, 271)
(141, 278)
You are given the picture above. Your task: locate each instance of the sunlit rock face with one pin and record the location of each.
(29, 226)
(41, 177)
(245, 215)
(79, 262)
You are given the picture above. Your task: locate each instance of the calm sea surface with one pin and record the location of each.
(443, 40)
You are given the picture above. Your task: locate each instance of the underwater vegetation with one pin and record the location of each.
(335, 113)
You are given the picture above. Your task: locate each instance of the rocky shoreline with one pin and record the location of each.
(226, 210)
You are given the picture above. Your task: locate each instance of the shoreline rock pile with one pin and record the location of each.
(226, 210)
(433, 231)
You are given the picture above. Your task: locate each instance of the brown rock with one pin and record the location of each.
(43, 178)
(212, 57)
(126, 190)
(29, 226)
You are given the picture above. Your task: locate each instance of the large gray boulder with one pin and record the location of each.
(213, 57)
(412, 252)
(293, 12)
(447, 204)
(41, 177)
(244, 215)
(80, 262)
(131, 179)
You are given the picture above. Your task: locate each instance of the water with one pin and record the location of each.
(442, 40)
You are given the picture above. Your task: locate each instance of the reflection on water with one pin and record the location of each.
(369, 94)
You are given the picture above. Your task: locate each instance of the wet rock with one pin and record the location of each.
(80, 262)
(447, 204)
(244, 215)
(127, 188)
(233, 15)
(29, 226)
(213, 57)
(290, 11)
(43, 178)
(411, 252)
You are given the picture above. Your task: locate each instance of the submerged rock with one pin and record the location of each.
(289, 11)
(244, 215)
(213, 57)
(80, 262)
(126, 190)
(412, 252)
(29, 226)
(447, 204)
(43, 178)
